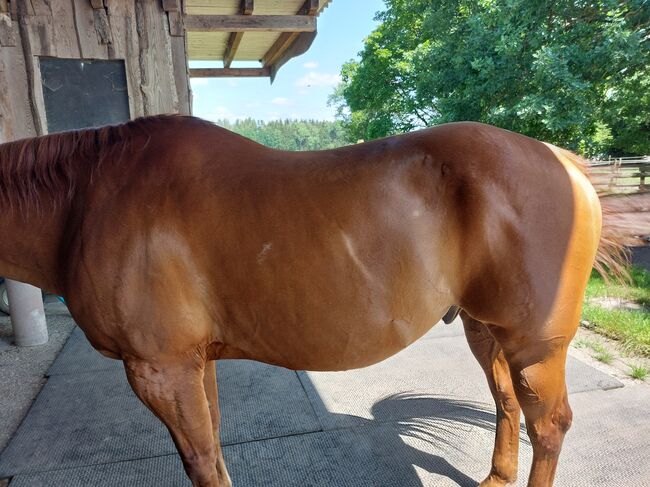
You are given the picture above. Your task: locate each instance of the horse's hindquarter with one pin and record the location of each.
(327, 264)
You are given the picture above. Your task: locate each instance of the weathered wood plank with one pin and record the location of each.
(16, 120)
(231, 48)
(229, 72)
(235, 39)
(248, 6)
(155, 57)
(176, 26)
(310, 7)
(170, 5)
(279, 47)
(181, 75)
(298, 47)
(252, 23)
(284, 42)
(91, 44)
(122, 21)
(97, 4)
(63, 33)
(7, 30)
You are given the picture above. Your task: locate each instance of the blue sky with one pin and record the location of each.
(302, 86)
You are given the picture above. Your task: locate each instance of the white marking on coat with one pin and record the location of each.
(349, 245)
(266, 248)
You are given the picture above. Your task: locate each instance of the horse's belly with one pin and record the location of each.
(338, 344)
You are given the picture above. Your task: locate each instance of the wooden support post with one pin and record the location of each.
(642, 175)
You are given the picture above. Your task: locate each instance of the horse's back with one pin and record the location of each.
(334, 259)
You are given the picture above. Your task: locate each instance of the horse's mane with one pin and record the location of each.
(48, 166)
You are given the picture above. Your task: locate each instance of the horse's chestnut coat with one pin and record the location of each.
(177, 243)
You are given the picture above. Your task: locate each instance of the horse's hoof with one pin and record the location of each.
(494, 481)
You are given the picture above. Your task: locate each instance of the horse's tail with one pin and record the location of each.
(612, 256)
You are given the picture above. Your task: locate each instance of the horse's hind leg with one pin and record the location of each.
(537, 356)
(211, 392)
(506, 446)
(174, 391)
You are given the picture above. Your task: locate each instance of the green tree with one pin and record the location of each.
(572, 72)
(295, 135)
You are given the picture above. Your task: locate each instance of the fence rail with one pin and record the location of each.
(621, 174)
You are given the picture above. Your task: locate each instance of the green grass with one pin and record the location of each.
(630, 327)
(638, 290)
(638, 372)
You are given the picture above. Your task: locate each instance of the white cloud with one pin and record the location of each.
(281, 101)
(221, 113)
(310, 65)
(199, 81)
(232, 83)
(316, 79)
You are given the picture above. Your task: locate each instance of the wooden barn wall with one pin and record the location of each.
(140, 32)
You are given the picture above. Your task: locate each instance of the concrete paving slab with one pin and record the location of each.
(441, 367)
(22, 371)
(609, 442)
(606, 447)
(164, 471)
(259, 401)
(421, 418)
(84, 419)
(78, 356)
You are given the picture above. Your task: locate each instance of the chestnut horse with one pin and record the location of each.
(177, 243)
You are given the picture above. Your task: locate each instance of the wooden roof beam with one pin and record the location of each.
(309, 8)
(247, 7)
(229, 72)
(250, 23)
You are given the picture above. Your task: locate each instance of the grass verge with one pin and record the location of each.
(629, 326)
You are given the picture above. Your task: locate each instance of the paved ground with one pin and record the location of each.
(421, 418)
(22, 369)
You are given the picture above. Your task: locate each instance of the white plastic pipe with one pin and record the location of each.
(27, 314)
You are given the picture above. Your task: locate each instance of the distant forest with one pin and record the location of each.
(294, 135)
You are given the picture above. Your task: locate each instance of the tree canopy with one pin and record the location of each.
(572, 72)
(295, 135)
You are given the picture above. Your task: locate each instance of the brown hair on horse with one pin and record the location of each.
(177, 243)
(48, 166)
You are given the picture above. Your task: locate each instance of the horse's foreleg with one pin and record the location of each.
(506, 446)
(211, 392)
(174, 392)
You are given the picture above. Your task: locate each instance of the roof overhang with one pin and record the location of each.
(269, 32)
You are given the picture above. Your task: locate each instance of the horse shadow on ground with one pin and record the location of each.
(385, 457)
